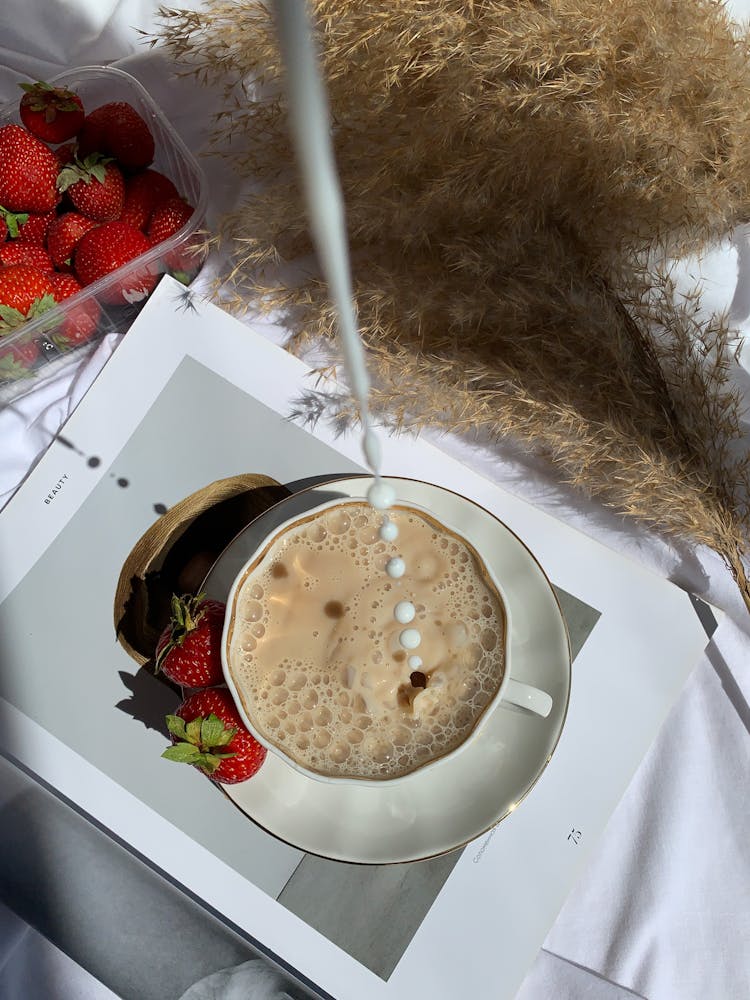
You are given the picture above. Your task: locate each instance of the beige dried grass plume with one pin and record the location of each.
(511, 171)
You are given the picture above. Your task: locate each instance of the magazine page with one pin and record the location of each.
(364, 892)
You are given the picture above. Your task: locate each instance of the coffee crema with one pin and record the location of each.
(315, 655)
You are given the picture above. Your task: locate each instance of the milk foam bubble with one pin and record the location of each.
(317, 654)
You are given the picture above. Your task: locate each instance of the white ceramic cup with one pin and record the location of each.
(511, 691)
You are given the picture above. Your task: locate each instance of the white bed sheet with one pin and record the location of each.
(663, 911)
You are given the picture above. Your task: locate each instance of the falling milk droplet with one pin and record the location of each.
(410, 638)
(395, 567)
(404, 612)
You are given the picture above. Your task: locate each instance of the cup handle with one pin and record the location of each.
(531, 698)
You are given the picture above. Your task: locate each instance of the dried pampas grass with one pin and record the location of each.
(514, 171)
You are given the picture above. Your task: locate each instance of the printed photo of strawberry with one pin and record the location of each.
(53, 114)
(107, 247)
(117, 130)
(208, 733)
(18, 252)
(25, 293)
(189, 649)
(63, 236)
(28, 172)
(143, 192)
(95, 186)
(80, 321)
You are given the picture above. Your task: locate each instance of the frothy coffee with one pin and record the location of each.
(315, 649)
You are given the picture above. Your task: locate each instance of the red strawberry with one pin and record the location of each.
(17, 360)
(136, 209)
(34, 228)
(25, 292)
(118, 130)
(80, 321)
(64, 285)
(28, 172)
(18, 252)
(207, 731)
(167, 219)
(66, 153)
(53, 114)
(27, 227)
(95, 186)
(107, 247)
(63, 237)
(189, 649)
(143, 192)
(3, 229)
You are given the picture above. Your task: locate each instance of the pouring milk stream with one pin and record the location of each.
(310, 128)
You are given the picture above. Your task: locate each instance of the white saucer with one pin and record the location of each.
(460, 798)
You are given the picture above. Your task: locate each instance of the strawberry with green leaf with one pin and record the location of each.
(189, 649)
(11, 222)
(208, 733)
(53, 114)
(95, 185)
(25, 293)
(26, 227)
(33, 228)
(17, 360)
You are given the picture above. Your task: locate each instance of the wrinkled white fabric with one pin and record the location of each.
(663, 910)
(252, 979)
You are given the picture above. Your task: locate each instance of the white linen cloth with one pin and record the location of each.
(663, 910)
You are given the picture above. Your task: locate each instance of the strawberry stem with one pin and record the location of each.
(198, 741)
(87, 170)
(186, 613)
(13, 220)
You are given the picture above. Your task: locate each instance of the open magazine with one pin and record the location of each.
(190, 397)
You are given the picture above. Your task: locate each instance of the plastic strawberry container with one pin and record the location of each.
(181, 255)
